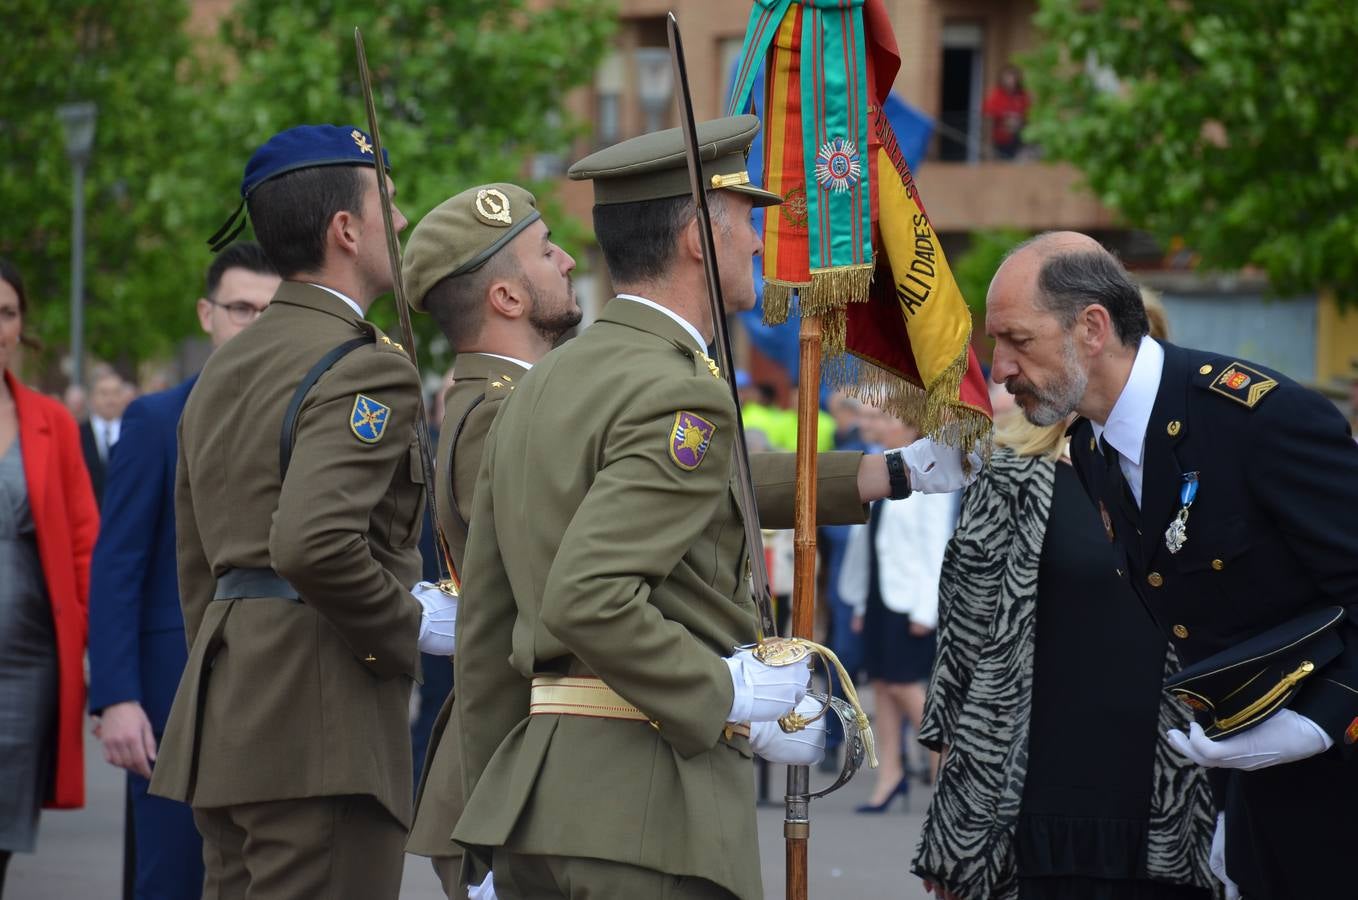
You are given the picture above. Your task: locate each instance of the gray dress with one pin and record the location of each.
(28, 665)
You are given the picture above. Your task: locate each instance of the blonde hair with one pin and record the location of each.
(1013, 430)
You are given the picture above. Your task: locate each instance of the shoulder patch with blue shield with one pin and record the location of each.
(368, 420)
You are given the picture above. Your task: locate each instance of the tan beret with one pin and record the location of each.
(462, 233)
(654, 167)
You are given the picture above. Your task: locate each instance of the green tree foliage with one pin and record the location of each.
(975, 268)
(1232, 124)
(133, 59)
(466, 90)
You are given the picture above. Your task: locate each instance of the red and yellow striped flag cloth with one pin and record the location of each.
(911, 340)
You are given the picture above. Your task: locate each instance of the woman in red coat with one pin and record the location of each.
(48, 522)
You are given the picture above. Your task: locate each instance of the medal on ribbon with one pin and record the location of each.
(1176, 535)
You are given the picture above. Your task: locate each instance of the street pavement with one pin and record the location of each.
(79, 854)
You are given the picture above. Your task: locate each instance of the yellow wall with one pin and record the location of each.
(1336, 339)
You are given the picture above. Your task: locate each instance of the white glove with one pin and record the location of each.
(483, 891)
(438, 621)
(1217, 860)
(939, 469)
(1284, 738)
(763, 693)
(801, 748)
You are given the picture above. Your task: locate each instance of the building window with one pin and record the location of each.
(608, 88)
(959, 120)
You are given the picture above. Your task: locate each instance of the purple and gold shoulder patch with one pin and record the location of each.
(689, 439)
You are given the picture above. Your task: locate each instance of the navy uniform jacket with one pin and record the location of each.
(137, 649)
(1272, 533)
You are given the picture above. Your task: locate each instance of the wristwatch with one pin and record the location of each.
(897, 474)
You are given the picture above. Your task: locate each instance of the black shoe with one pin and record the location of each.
(902, 790)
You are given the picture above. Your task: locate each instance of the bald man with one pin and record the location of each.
(1257, 589)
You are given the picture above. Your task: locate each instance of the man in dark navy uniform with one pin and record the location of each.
(1232, 494)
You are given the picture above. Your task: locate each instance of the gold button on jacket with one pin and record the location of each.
(1155, 579)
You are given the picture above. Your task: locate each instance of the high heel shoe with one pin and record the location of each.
(902, 790)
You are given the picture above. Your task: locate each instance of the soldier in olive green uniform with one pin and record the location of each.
(484, 266)
(298, 512)
(607, 722)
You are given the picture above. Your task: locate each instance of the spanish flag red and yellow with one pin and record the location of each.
(852, 241)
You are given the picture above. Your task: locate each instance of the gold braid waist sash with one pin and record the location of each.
(588, 696)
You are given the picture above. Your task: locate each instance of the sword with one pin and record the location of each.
(448, 579)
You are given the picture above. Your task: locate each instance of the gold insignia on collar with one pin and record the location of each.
(497, 384)
(1174, 427)
(1243, 384)
(361, 140)
(711, 365)
(493, 207)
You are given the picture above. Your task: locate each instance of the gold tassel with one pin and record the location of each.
(835, 288)
(778, 300)
(936, 411)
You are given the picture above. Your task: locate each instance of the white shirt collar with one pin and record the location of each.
(1131, 415)
(517, 362)
(687, 326)
(352, 305)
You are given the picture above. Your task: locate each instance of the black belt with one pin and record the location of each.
(247, 584)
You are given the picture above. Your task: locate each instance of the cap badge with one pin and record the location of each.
(689, 439)
(493, 207)
(837, 165)
(361, 140)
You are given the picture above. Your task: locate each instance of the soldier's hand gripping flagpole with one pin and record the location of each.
(771, 649)
(449, 582)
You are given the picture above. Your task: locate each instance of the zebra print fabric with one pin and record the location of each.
(980, 694)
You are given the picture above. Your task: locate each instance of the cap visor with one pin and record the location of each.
(760, 196)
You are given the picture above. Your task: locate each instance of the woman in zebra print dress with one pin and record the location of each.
(1067, 691)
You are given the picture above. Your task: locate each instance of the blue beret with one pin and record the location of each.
(308, 147)
(303, 147)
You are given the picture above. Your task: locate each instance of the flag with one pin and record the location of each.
(852, 240)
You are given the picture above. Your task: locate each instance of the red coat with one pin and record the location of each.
(66, 521)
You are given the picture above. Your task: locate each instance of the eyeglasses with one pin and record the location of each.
(240, 313)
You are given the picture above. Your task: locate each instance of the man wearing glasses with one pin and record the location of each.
(137, 649)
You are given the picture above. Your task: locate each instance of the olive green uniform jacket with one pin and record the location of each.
(480, 382)
(284, 699)
(596, 548)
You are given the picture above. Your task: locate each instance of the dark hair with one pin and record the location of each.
(241, 255)
(10, 273)
(457, 303)
(638, 239)
(1069, 282)
(292, 212)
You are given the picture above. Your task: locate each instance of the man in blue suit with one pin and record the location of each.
(137, 650)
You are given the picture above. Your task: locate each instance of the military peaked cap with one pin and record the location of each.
(654, 167)
(1243, 685)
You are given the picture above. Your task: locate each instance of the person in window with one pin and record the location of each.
(1006, 109)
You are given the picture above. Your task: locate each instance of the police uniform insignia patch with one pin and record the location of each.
(1243, 384)
(368, 420)
(689, 439)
